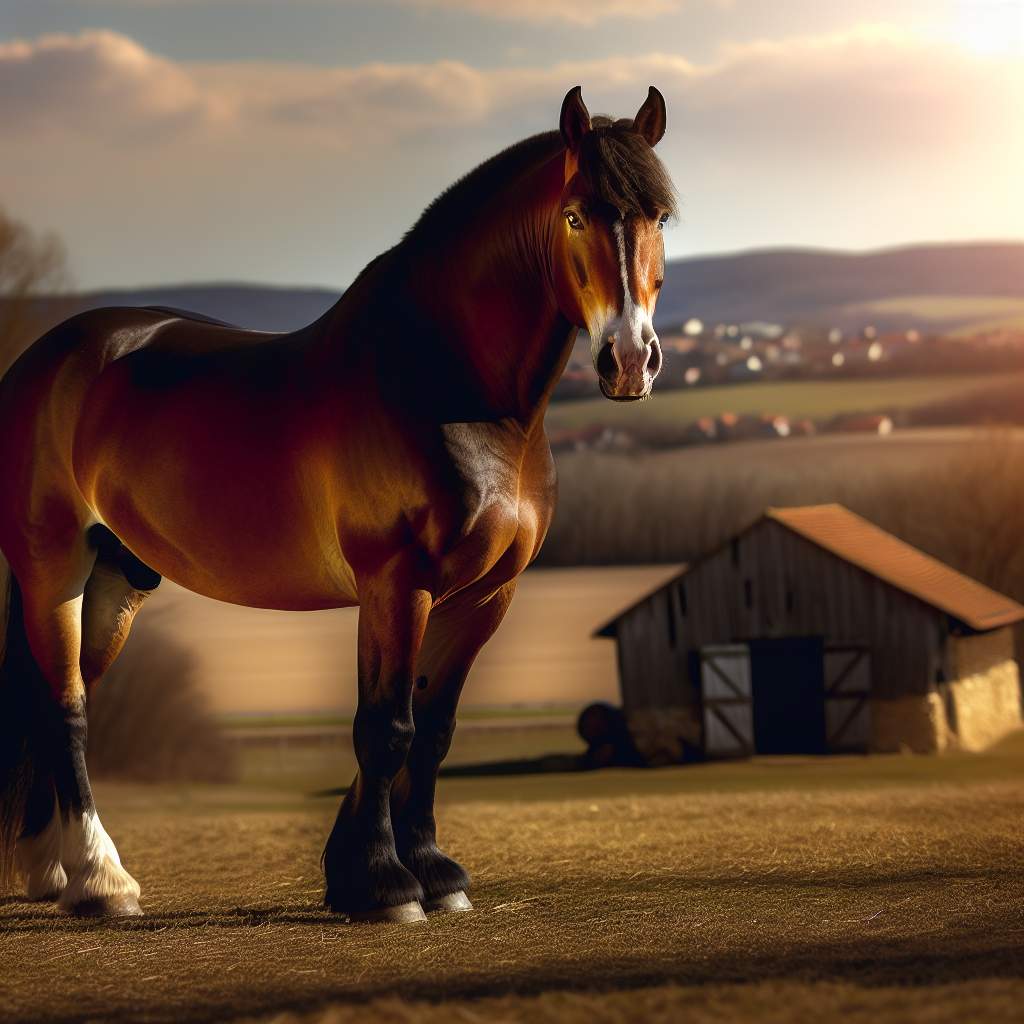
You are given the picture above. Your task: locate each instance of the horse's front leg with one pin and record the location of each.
(455, 634)
(365, 878)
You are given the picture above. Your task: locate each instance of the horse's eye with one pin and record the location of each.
(573, 219)
(662, 221)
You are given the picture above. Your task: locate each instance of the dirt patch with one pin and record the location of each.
(654, 895)
(764, 1002)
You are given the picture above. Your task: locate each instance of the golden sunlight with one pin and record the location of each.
(990, 27)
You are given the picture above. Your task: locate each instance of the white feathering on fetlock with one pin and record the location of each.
(38, 860)
(92, 862)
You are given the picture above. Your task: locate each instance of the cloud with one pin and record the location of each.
(579, 12)
(844, 136)
(97, 80)
(855, 89)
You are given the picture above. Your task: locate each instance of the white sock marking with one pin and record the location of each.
(92, 862)
(38, 860)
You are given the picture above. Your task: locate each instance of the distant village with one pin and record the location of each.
(698, 355)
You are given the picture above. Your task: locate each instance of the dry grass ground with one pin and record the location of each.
(882, 889)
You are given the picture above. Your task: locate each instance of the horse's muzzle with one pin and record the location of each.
(628, 377)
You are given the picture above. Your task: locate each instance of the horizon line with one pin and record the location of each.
(710, 255)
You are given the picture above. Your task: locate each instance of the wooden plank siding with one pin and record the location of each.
(771, 582)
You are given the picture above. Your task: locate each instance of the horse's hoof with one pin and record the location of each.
(404, 913)
(454, 902)
(124, 905)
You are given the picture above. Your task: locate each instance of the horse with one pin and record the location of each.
(390, 455)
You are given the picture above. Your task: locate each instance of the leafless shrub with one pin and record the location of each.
(148, 720)
(967, 512)
(33, 267)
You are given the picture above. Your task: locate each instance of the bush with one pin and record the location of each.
(148, 720)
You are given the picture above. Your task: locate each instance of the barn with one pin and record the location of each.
(815, 631)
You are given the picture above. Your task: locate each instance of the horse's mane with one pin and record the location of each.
(615, 161)
(624, 171)
(470, 192)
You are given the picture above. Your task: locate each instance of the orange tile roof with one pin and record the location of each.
(861, 543)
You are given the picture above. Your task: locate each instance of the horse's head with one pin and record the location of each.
(609, 251)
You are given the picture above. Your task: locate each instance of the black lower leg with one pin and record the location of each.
(41, 804)
(360, 862)
(68, 747)
(45, 718)
(413, 806)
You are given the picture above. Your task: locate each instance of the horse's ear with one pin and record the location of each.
(650, 118)
(574, 121)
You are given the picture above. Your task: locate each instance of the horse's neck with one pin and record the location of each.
(462, 323)
(489, 295)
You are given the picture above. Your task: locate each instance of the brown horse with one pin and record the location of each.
(391, 455)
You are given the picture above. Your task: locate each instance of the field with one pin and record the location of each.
(252, 660)
(881, 889)
(813, 399)
(973, 312)
(658, 508)
(878, 889)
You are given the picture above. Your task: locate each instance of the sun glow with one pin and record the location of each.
(991, 28)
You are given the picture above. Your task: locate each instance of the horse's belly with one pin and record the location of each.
(251, 563)
(227, 525)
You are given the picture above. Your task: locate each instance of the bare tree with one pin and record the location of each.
(33, 272)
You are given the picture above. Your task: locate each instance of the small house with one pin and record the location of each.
(815, 631)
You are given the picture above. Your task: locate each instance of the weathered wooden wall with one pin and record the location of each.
(770, 582)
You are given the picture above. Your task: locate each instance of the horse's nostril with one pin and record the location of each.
(654, 359)
(606, 365)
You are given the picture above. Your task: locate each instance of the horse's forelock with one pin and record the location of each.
(623, 171)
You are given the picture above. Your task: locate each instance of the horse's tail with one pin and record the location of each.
(20, 719)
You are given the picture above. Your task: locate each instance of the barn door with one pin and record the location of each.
(847, 688)
(725, 691)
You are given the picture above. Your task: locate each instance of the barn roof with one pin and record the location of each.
(861, 543)
(855, 540)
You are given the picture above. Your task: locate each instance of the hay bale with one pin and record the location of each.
(915, 725)
(602, 727)
(664, 735)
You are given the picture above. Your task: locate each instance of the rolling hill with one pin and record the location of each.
(942, 287)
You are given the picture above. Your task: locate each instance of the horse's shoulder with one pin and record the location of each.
(488, 460)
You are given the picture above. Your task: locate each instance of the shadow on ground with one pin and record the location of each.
(986, 953)
(548, 764)
(894, 890)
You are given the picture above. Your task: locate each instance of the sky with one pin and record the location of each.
(290, 141)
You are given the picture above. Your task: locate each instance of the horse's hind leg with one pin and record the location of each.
(114, 593)
(52, 595)
(37, 852)
(455, 634)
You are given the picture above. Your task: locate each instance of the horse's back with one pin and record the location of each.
(45, 392)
